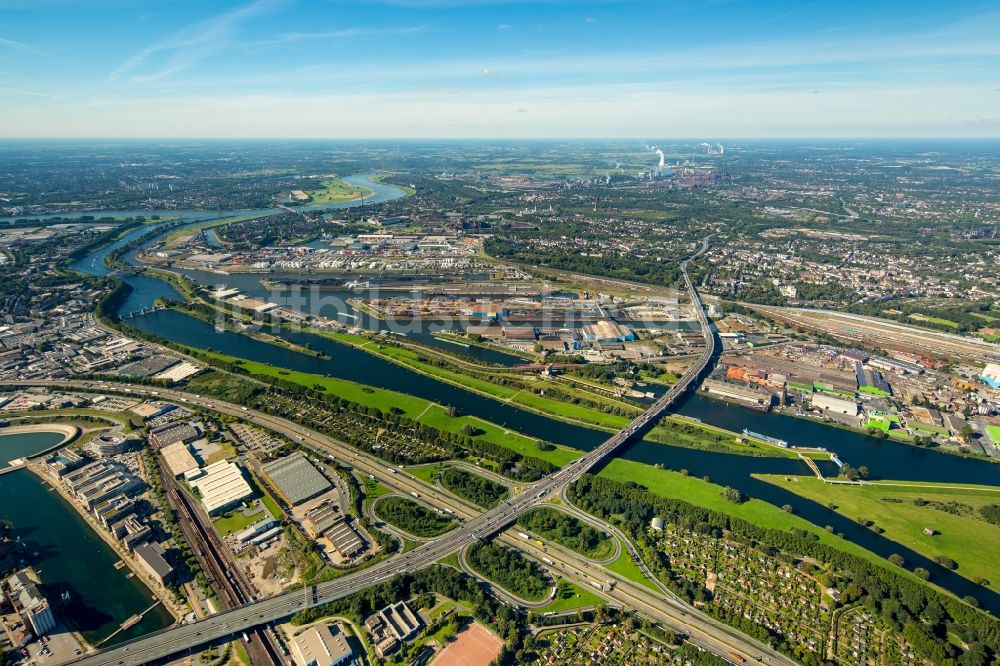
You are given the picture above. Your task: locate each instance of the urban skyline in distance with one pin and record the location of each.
(497, 69)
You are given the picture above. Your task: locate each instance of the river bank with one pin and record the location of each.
(73, 559)
(725, 468)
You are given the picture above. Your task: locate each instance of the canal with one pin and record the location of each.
(885, 459)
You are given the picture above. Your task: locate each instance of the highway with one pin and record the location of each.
(233, 622)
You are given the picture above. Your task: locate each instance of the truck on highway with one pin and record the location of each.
(548, 561)
(524, 536)
(597, 585)
(391, 470)
(737, 658)
(414, 493)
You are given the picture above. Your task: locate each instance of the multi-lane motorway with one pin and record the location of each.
(233, 622)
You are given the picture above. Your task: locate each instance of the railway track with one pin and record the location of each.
(232, 589)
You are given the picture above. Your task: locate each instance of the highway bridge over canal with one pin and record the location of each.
(233, 622)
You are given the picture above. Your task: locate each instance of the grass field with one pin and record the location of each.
(112, 418)
(451, 560)
(374, 489)
(927, 427)
(570, 596)
(709, 438)
(265, 496)
(994, 433)
(967, 538)
(512, 395)
(337, 191)
(425, 473)
(674, 485)
(934, 320)
(176, 236)
(413, 407)
(629, 570)
(880, 424)
(237, 520)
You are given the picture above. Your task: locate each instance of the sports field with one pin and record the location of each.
(473, 646)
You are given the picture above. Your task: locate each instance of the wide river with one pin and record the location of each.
(885, 459)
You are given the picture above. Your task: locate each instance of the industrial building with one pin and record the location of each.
(148, 411)
(834, 404)
(607, 330)
(895, 365)
(344, 538)
(171, 433)
(321, 518)
(520, 335)
(327, 522)
(178, 459)
(259, 532)
(322, 645)
(296, 479)
(991, 375)
(754, 396)
(221, 486)
(27, 600)
(871, 380)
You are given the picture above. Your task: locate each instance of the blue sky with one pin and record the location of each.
(492, 68)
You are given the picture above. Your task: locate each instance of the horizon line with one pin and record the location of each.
(871, 137)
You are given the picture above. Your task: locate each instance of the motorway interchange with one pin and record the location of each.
(702, 630)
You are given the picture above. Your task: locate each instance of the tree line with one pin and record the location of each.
(509, 569)
(923, 615)
(472, 487)
(411, 517)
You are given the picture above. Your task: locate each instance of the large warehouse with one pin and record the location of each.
(178, 459)
(834, 404)
(296, 479)
(221, 486)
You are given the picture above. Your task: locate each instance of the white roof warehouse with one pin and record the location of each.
(221, 486)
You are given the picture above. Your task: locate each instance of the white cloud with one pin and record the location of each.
(28, 93)
(343, 33)
(18, 46)
(189, 46)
